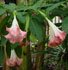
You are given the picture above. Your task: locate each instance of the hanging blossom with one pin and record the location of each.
(14, 60)
(56, 36)
(15, 33)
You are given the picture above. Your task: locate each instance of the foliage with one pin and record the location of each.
(36, 29)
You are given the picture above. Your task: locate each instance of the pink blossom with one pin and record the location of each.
(14, 60)
(56, 36)
(15, 33)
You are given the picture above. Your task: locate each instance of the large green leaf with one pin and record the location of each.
(36, 29)
(21, 17)
(3, 24)
(65, 25)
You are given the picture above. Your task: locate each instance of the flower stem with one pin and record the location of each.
(27, 23)
(5, 57)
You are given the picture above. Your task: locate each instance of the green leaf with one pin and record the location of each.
(18, 50)
(65, 25)
(36, 29)
(38, 4)
(3, 41)
(2, 11)
(22, 7)
(3, 24)
(10, 7)
(21, 17)
(14, 45)
(53, 6)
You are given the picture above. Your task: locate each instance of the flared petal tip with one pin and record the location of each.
(10, 63)
(57, 40)
(13, 63)
(63, 35)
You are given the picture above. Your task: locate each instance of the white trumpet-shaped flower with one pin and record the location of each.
(56, 36)
(15, 33)
(14, 60)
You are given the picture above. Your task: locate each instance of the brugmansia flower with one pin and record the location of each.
(56, 36)
(15, 33)
(14, 60)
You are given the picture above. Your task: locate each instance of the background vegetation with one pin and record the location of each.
(37, 55)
